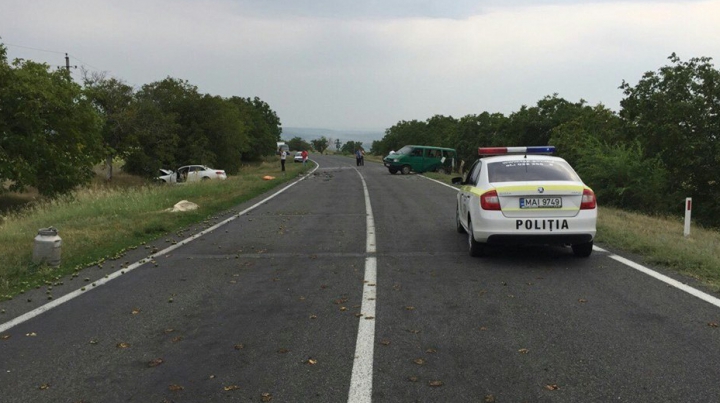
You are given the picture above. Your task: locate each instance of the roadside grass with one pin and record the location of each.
(658, 240)
(103, 221)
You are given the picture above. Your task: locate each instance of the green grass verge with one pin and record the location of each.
(102, 222)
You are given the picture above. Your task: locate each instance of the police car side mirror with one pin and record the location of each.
(457, 180)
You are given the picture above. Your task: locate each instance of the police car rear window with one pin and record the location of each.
(529, 170)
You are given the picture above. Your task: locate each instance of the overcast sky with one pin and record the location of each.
(368, 64)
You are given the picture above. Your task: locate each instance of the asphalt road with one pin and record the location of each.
(267, 307)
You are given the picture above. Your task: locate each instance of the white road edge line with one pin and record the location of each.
(361, 381)
(665, 279)
(67, 297)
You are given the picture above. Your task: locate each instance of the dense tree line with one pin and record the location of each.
(662, 146)
(53, 130)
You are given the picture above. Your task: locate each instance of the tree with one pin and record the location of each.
(675, 115)
(115, 102)
(49, 133)
(320, 144)
(351, 146)
(297, 143)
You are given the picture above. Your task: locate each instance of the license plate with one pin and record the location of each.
(540, 202)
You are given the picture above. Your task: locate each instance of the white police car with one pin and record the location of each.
(518, 195)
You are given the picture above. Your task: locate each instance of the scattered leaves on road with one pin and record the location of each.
(311, 361)
(523, 351)
(713, 324)
(44, 386)
(435, 383)
(431, 351)
(413, 379)
(135, 311)
(385, 342)
(5, 337)
(313, 316)
(31, 334)
(409, 308)
(123, 345)
(489, 399)
(239, 346)
(176, 339)
(155, 362)
(175, 387)
(265, 397)
(582, 300)
(552, 386)
(231, 387)
(283, 351)
(419, 361)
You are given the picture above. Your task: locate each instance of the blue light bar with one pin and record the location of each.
(516, 150)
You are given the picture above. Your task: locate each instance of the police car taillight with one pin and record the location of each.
(490, 201)
(588, 200)
(516, 150)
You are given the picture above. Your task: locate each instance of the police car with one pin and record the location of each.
(521, 195)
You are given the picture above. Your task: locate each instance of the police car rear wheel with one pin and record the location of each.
(458, 224)
(582, 249)
(475, 248)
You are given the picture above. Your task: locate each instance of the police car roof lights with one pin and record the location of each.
(516, 150)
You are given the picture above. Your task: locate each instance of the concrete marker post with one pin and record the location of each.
(688, 211)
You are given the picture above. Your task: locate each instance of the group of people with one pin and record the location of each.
(360, 157)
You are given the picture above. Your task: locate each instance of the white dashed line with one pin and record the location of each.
(362, 372)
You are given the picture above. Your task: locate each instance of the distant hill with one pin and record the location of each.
(309, 134)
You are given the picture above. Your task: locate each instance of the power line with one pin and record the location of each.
(28, 47)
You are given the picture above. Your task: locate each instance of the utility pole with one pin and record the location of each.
(67, 63)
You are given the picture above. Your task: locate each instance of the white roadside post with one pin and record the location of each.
(688, 210)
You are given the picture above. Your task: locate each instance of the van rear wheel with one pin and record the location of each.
(392, 170)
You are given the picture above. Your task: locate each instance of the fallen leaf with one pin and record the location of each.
(482, 328)
(409, 308)
(31, 334)
(5, 337)
(413, 379)
(311, 361)
(302, 298)
(713, 324)
(44, 386)
(413, 331)
(552, 387)
(176, 339)
(523, 351)
(419, 361)
(93, 341)
(123, 345)
(385, 342)
(489, 399)
(342, 308)
(169, 330)
(283, 351)
(135, 311)
(313, 316)
(582, 300)
(265, 397)
(239, 346)
(231, 387)
(175, 387)
(155, 362)
(431, 351)
(435, 383)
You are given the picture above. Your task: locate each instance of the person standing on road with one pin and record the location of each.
(304, 157)
(283, 155)
(358, 157)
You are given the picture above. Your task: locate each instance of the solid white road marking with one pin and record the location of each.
(362, 372)
(67, 297)
(665, 279)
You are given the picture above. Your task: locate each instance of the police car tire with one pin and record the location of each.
(475, 249)
(458, 225)
(405, 170)
(582, 249)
